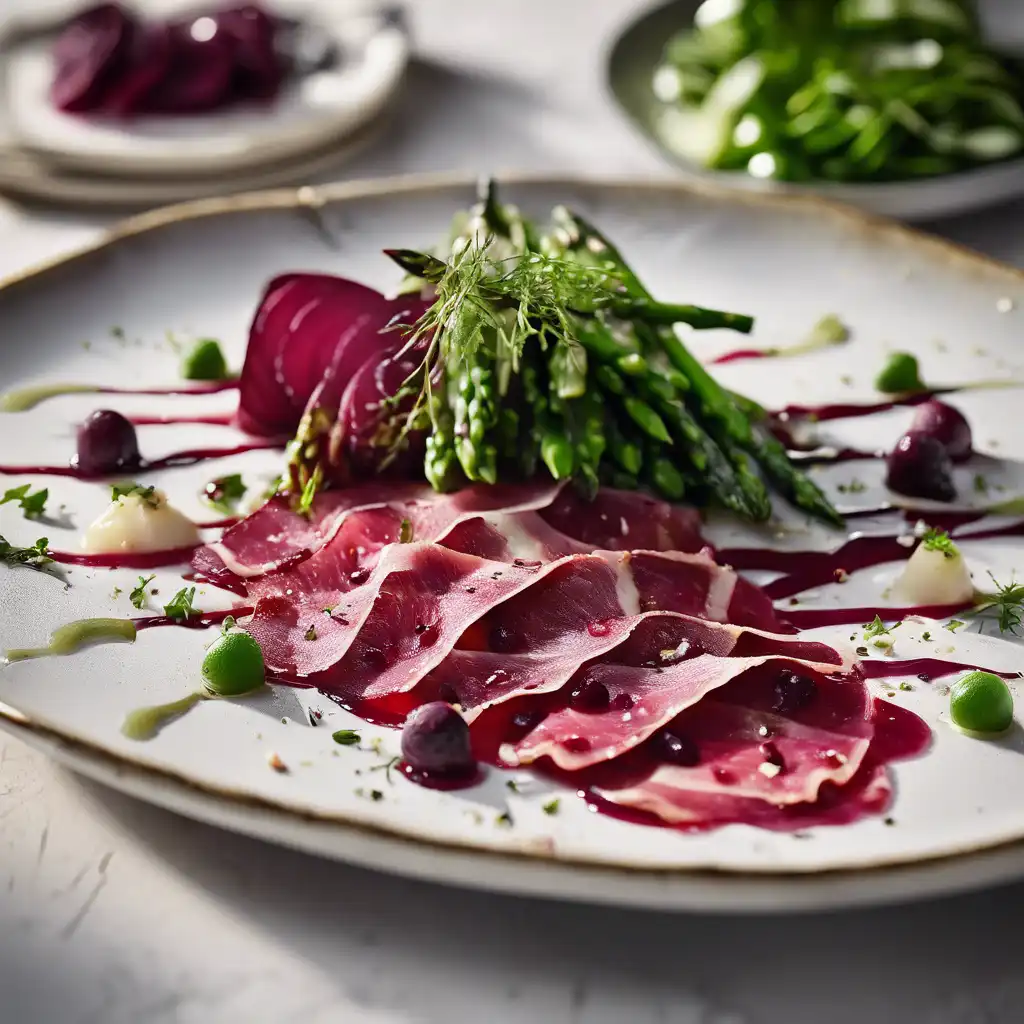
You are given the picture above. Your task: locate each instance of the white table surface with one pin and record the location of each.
(112, 911)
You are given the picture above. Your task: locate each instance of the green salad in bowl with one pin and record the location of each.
(853, 91)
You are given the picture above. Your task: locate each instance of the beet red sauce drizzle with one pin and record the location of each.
(126, 559)
(204, 620)
(188, 457)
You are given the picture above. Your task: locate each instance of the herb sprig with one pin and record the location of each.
(180, 606)
(34, 557)
(33, 505)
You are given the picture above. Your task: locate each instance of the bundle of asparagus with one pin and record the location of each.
(545, 349)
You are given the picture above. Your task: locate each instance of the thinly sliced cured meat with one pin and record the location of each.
(625, 521)
(669, 665)
(670, 796)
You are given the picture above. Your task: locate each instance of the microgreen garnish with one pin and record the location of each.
(1007, 602)
(224, 493)
(346, 737)
(878, 633)
(273, 487)
(33, 505)
(138, 595)
(551, 807)
(386, 768)
(129, 487)
(34, 557)
(926, 637)
(939, 540)
(953, 625)
(180, 606)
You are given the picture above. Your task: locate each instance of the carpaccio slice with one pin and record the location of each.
(654, 681)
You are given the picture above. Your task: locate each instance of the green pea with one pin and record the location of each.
(204, 361)
(234, 665)
(900, 375)
(981, 703)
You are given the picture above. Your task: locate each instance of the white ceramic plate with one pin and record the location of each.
(636, 54)
(311, 112)
(199, 269)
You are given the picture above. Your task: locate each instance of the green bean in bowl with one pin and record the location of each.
(839, 90)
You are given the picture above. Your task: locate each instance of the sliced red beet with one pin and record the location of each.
(309, 327)
(87, 56)
(145, 66)
(200, 71)
(258, 66)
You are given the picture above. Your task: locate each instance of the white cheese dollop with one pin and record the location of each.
(140, 522)
(935, 576)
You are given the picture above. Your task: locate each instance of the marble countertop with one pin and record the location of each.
(112, 911)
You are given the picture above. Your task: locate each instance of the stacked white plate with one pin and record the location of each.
(317, 122)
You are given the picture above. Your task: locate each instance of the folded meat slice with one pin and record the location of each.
(829, 776)
(669, 664)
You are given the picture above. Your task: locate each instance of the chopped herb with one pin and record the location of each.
(310, 633)
(327, 609)
(953, 625)
(855, 486)
(405, 532)
(127, 487)
(939, 540)
(138, 595)
(889, 821)
(180, 606)
(34, 557)
(117, 332)
(879, 628)
(117, 593)
(386, 768)
(346, 737)
(504, 819)
(980, 484)
(906, 686)
(1007, 602)
(926, 637)
(551, 807)
(376, 795)
(512, 785)
(224, 493)
(33, 505)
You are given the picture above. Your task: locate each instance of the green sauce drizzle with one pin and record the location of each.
(22, 399)
(77, 635)
(145, 723)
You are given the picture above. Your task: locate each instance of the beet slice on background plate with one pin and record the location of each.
(89, 54)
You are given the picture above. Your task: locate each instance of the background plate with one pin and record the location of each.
(199, 270)
(311, 112)
(637, 52)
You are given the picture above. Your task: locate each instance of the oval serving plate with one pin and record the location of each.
(635, 55)
(104, 316)
(311, 111)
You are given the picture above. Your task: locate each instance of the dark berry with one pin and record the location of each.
(590, 695)
(947, 425)
(920, 467)
(106, 444)
(435, 739)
